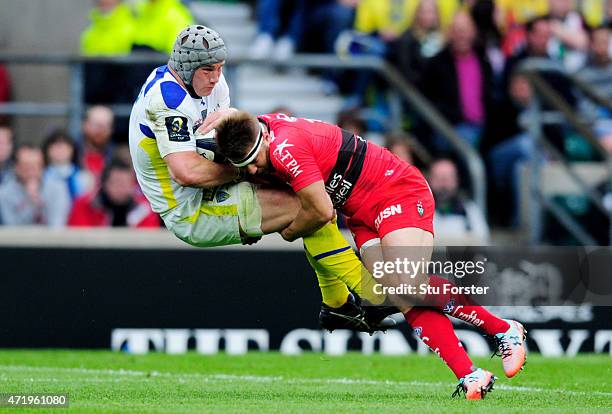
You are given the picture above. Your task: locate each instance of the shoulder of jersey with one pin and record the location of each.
(166, 93)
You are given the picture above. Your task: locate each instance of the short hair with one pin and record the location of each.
(443, 160)
(26, 147)
(115, 164)
(236, 134)
(59, 135)
(100, 109)
(531, 23)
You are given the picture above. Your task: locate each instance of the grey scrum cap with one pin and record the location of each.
(196, 46)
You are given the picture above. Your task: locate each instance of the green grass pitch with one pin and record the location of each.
(106, 382)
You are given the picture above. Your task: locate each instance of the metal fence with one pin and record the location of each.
(545, 94)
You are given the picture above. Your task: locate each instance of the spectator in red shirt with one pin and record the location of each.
(115, 204)
(96, 147)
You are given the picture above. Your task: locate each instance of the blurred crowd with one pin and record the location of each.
(88, 180)
(463, 55)
(84, 181)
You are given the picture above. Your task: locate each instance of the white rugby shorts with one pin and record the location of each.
(217, 217)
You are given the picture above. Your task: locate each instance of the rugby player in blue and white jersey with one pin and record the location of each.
(200, 198)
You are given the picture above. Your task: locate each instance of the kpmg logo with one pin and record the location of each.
(386, 213)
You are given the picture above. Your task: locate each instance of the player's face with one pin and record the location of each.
(261, 165)
(206, 77)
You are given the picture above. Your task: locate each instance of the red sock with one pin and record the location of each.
(464, 308)
(436, 331)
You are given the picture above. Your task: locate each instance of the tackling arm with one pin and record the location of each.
(189, 169)
(178, 147)
(316, 211)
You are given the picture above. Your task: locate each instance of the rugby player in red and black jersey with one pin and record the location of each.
(389, 205)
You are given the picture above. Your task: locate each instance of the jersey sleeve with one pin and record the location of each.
(293, 160)
(172, 129)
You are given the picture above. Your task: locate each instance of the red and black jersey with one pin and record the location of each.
(304, 151)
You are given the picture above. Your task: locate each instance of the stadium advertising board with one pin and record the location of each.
(213, 301)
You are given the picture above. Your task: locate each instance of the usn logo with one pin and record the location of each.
(386, 213)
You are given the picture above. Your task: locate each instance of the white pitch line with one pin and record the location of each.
(133, 374)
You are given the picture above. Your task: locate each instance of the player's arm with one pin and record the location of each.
(316, 211)
(177, 147)
(190, 169)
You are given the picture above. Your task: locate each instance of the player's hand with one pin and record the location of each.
(213, 119)
(250, 240)
(287, 236)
